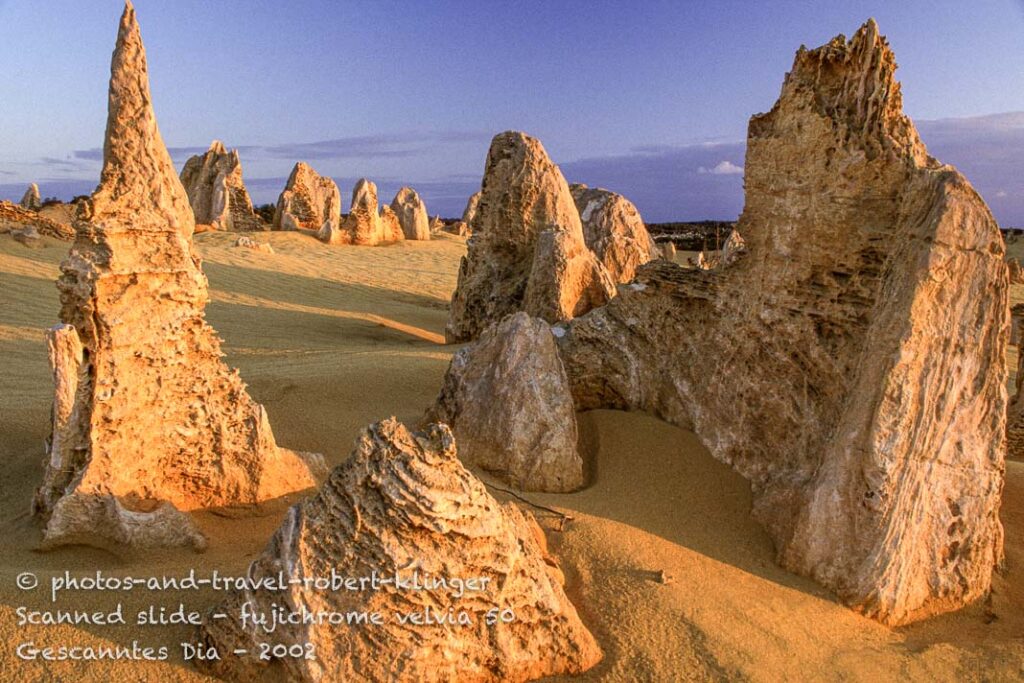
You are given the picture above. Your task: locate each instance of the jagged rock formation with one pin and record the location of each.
(506, 398)
(614, 231)
(436, 225)
(308, 201)
(668, 251)
(460, 228)
(469, 213)
(31, 199)
(402, 505)
(148, 422)
(14, 219)
(862, 390)
(730, 252)
(390, 226)
(216, 191)
(527, 251)
(412, 214)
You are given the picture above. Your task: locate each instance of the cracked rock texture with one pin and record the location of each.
(148, 422)
(308, 201)
(527, 251)
(850, 363)
(506, 398)
(216, 191)
(404, 504)
(614, 231)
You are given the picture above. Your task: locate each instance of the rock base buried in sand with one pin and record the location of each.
(506, 398)
(403, 506)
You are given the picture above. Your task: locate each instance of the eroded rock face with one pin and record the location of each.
(614, 231)
(14, 219)
(148, 422)
(31, 199)
(506, 398)
(412, 214)
(668, 251)
(509, 267)
(436, 225)
(1016, 271)
(216, 191)
(862, 393)
(403, 505)
(308, 201)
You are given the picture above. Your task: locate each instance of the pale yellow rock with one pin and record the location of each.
(31, 199)
(412, 214)
(403, 505)
(148, 421)
(508, 267)
(851, 363)
(216, 190)
(614, 231)
(308, 201)
(506, 398)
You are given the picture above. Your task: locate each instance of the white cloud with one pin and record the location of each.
(724, 167)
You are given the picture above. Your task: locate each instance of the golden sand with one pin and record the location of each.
(663, 561)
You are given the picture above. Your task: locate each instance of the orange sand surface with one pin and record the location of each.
(333, 338)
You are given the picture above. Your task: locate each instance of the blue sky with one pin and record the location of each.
(647, 98)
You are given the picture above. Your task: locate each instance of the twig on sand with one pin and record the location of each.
(563, 518)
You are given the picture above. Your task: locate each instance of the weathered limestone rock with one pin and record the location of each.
(1015, 412)
(508, 267)
(362, 225)
(29, 236)
(249, 243)
(412, 214)
(390, 226)
(614, 231)
(470, 211)
(308, 201)
(31, 199)
(1016, 271)
(402, 505)
(732, 250)
(460, 228)
(14, 219)
(513, 364)
(148, 421)
(216, 191)
(668, 251)
(862, 387)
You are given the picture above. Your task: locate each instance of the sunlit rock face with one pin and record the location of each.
(850, 360)
(404, 505)
(412, 214)
(216, 191)
(527, 252)
(614, 231)
(31, 199)
(148, 422)
(308, 201)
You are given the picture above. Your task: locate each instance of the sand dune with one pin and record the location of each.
(332, 338)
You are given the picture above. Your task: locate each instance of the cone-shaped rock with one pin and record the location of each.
(509, 267)
(614, 231)
(147, 420)
(31, 200)
(216, 191)
(308, 201)
(403, 506)
(861, 389)
(412, 214)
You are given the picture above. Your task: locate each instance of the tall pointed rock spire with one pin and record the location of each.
(138, 177)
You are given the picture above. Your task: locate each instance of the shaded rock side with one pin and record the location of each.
(308, 201)
(31, 199)
(216, 191)
(148, 422)
(523, 194)
(469, 213)
(506, 398)
(861, 389)
(614, 231)
(403, 505)
(668, 251)
(412, 214)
